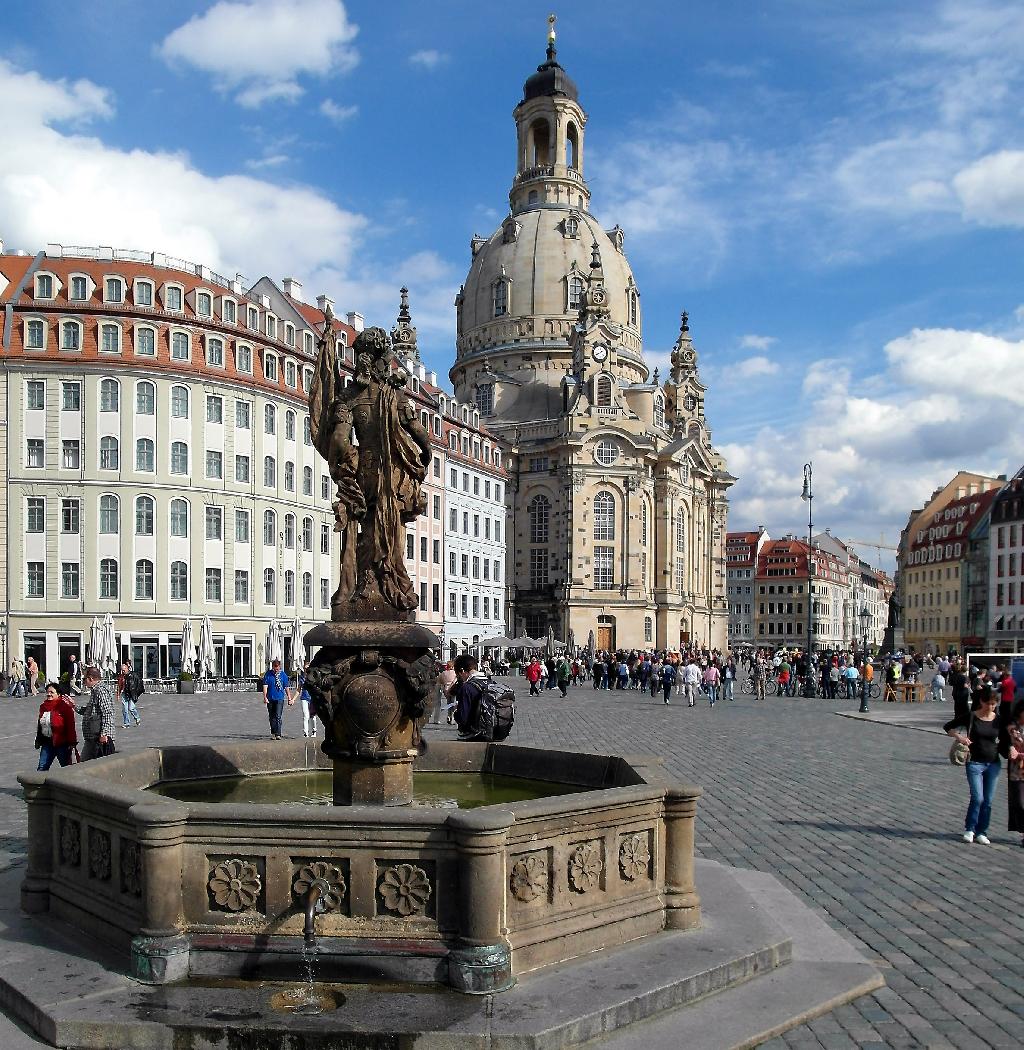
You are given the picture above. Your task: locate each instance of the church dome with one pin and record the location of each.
(550, 79)
(543, 257)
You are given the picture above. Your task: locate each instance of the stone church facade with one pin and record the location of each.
(617, 497)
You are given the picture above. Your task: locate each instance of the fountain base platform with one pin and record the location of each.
(761, 963)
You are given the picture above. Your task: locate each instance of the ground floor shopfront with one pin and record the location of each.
(153, 645)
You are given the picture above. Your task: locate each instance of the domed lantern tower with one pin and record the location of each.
(604, 467)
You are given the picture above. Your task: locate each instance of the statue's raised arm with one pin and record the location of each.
(324, 387)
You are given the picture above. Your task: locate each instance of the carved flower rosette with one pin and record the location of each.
(585, 867)
(235, 885)
(529, 878)
(326, 872)
(70, 842)
(405, 889)
(99, 854)
(634, 857)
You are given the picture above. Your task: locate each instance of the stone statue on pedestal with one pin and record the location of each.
(374, 672)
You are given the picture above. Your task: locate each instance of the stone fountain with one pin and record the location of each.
(471, 900)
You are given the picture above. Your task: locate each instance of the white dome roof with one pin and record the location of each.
(538, 262)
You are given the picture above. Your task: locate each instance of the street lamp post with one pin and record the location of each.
(808, 497)
(3, 647)
(865, 617)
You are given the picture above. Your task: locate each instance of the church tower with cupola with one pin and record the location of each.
(617, 499)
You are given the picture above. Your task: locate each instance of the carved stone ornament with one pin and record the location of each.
(585, 867)
(131, 868)
(99, 854)
(235, 884)
(634, 857)
(307, 874)
(70, 842)
(405, 889)
(529, 878)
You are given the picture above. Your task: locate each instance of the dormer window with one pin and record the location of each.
(253, 319)
(228, 311)
(571, 227)
(173, 297)
(270, 368)
(289, 373)
(289, 334)
(79, 289)
(113, 290)
(143, 293)
(501, 297)
(204, 304)
(44, 286)
(271, 326)
(307, 342)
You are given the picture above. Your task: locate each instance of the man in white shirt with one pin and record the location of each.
(691, 681)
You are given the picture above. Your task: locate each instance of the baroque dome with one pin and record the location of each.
(535, 254)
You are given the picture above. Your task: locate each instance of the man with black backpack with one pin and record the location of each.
(484, 709)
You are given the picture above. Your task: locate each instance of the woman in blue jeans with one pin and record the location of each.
(979, 730)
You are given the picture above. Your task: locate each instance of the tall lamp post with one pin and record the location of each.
(865, 619)
(3, 647)
(808, 497)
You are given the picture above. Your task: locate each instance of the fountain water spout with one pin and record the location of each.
(313, 905)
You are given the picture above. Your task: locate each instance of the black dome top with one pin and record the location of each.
(550, 79)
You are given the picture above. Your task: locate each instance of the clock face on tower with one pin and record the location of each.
(600, 353)
(689, 402)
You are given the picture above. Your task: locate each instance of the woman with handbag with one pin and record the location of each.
(56, 735)
(1015, 773)
(979, 732)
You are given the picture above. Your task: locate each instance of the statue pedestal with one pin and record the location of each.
(371, 684)
(894, 640)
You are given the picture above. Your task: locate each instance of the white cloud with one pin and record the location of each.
(271, 160)
(335, 113)
(158, 201)
(259, 49)
(757, 342)
(752, 367)
(428, 58)
(946, 400)
(991, 189)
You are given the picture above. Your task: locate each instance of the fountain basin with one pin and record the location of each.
(470, 898)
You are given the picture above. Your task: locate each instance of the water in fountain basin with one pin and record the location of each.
(315, 788)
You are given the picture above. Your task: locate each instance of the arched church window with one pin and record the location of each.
(648, 629)
(572, 147)
(500, 298)
(539, 511)
(643, 524)
(533, 198)
(603, 391)
(604, 516)
(540, 137)
(659, 411)
(632, 308)
(485, 398)
(680, 533)
(575, 287)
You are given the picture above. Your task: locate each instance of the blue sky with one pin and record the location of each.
(835, 192)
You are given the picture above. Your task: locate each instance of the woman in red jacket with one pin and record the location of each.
(56, 735)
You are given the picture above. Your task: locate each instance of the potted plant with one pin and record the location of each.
(186, 682)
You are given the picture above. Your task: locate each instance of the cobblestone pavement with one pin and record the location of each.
(861, 819)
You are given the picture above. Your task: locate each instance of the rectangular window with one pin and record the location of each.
(423, 548)
(476, 525)
(325, 593)
(214, 409)
(242, 415)
(243, 359)
(71, 456)
(35, 581)
(34, 453)
(79, 289)
(70, 516)
(476, 567)
(114, 292)
(476, 485)
(215, 352)
(465, 565)
(215, 464)
(437, 508)
(437, 552)
(143, 293)
(110, 338)
(453, 519)
(487, 568)
(487, 608)
(604, 568)
(325, 487)
(464, 605)
(325, 539)
(423, 596)
(145, 342)
(35, 514)
(35, 396)
(213, 588)
(241, 586)
(497, 571)
(69, 579)
(213, 523)
(451, 605)
(204, 304)
(241, 526)
(242, 468)
(476, 607)
(71, 397)
(451, 563)
(179, 346)
(172, 298)
(410, 546)
(538, 567)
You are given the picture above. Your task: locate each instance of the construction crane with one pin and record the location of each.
(879, 547)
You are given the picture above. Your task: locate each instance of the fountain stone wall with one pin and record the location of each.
(468, 898)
